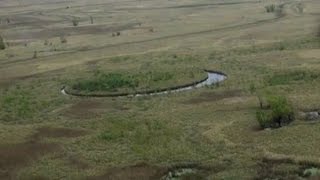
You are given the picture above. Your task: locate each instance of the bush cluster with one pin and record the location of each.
(277, 114)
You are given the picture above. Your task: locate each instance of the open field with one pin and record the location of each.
(209, 133)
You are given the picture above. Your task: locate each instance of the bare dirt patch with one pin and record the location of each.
(80, 30)
(16, 156)
(53, 132)
(287, 168)
(213, 96)
(76, 162)
(140, 171)
(85, 109)
(310, 53)
(143, 171)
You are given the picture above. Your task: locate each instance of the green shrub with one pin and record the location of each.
(280, 113)
(270, 8)
(278, 10)
(2, 44)
(264, 118)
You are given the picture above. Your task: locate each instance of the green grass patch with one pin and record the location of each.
(20, 105)
(136, 81)
(106, 82)
(291, 77)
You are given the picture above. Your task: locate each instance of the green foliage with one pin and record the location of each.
(2, 44)
(264, 118)
(282, 111)
(288, 77)
(278, 10)
(279, 113)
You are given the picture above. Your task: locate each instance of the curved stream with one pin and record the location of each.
(214, 77)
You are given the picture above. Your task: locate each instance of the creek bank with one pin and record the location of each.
(214, 77)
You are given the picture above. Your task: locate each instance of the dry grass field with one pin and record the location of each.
(207, 133)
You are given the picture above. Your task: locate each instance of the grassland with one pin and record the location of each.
(46, 135)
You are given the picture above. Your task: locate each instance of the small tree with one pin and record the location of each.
(35, 55)
(282, 111)
(2, 44)
(63, 39)
(91, 19)
(264, 118)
